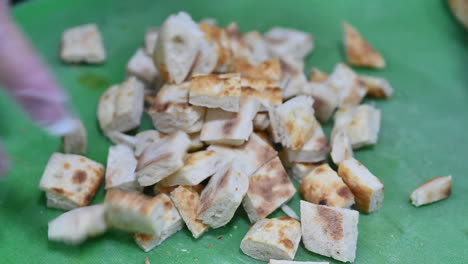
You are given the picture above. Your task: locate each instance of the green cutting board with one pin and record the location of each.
(423, 129)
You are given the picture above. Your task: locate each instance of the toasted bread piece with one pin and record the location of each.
(198, 166)
(269, 69)
(258, 46)
(223, 195)
(239, 46)
(460, 10)
(274, 261)
(76, 141)
(329, 231)
(83, 44)
(177, 46)
(75, 226)
(299, 170)
(376, 87)
(146, 138)
(151, 37)
(119, 138)
(229, 128)
(341, 147)
(290, 212)
(216, 91)
(347, 85)
(285, 42)
(136, 212)
(293, 79)
(323, 186)
(70, 180)
(261, 122)
(141, 66)
(121, 106)
(276, 238)
(360, 123)
(162, 158)
(218, 40)
(187, 202)
(171, 110)
(292, 122)
(269, 188)
(317, 75)
(207, 57)
(431, 191)
(120, 172)
(314, 150)
(267, 92)
(253, 154)
(169, 223)
(325, 100)
(367, 189)
(359, 51)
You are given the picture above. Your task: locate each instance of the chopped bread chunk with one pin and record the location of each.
(146, 138)
(75, 226)
(314, 150)
(293, 80)
(317, 75)
(136, 212)
(195, 143)
(299, 170)
(218, 41)
(330, 231)
(162, 158)
(325, 100)
(261, 122)
(70, 180)
(120, 171)
(177, 47)
(207, 57)
(223, 195)
(141, 66)
(169, 223)
(276, 238)
(239, 46)
(253, 154)
(341, 147)
(359, 51)
(361, 124)
(76, 141)
(274, 261)
(289, 212)
(376, 87)
(269, 69)
(119, 138)
(266, 91)
(216, 91)
(159, 188)
(292, 122)
(171, 111)
(198, 166)
(367, 189)
(229, 128)
(83, 44)
(289, 42)
(323, 186)
(151, 37)
(187, 202)
(258, 46)
(269, 188)
(431, 191)
(121, 106)
(347, 86)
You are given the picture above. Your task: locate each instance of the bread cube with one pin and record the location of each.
(293, 79)
(431, 191)
(341, 147)
(269, 69)
(276, 238)
(347, 85)
(367, 189)
(376, 87)
(141, 66)
(121, 106)
(289, 212)
(314, 150)
(70, 180)
(187, 202)
(198, 166)
(299, 170)
(266, 91)
(258, 46)
(171, 111)
(83, 44)
(162, 158)
(177, 47)
(269, 188)
(75, 226)
(120, 172)
(76, 141)
(223, 195)
(285, 42)
(146, 138)
(359, 51)
(119, 138)
(325, 100)
(151, 37)
(318, 76)
(239, 46)
(216, 91)
(330, 231)
(217, 51)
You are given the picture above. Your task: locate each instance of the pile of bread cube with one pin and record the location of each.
(235, 119)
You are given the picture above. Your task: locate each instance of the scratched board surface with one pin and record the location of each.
(423, 129)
